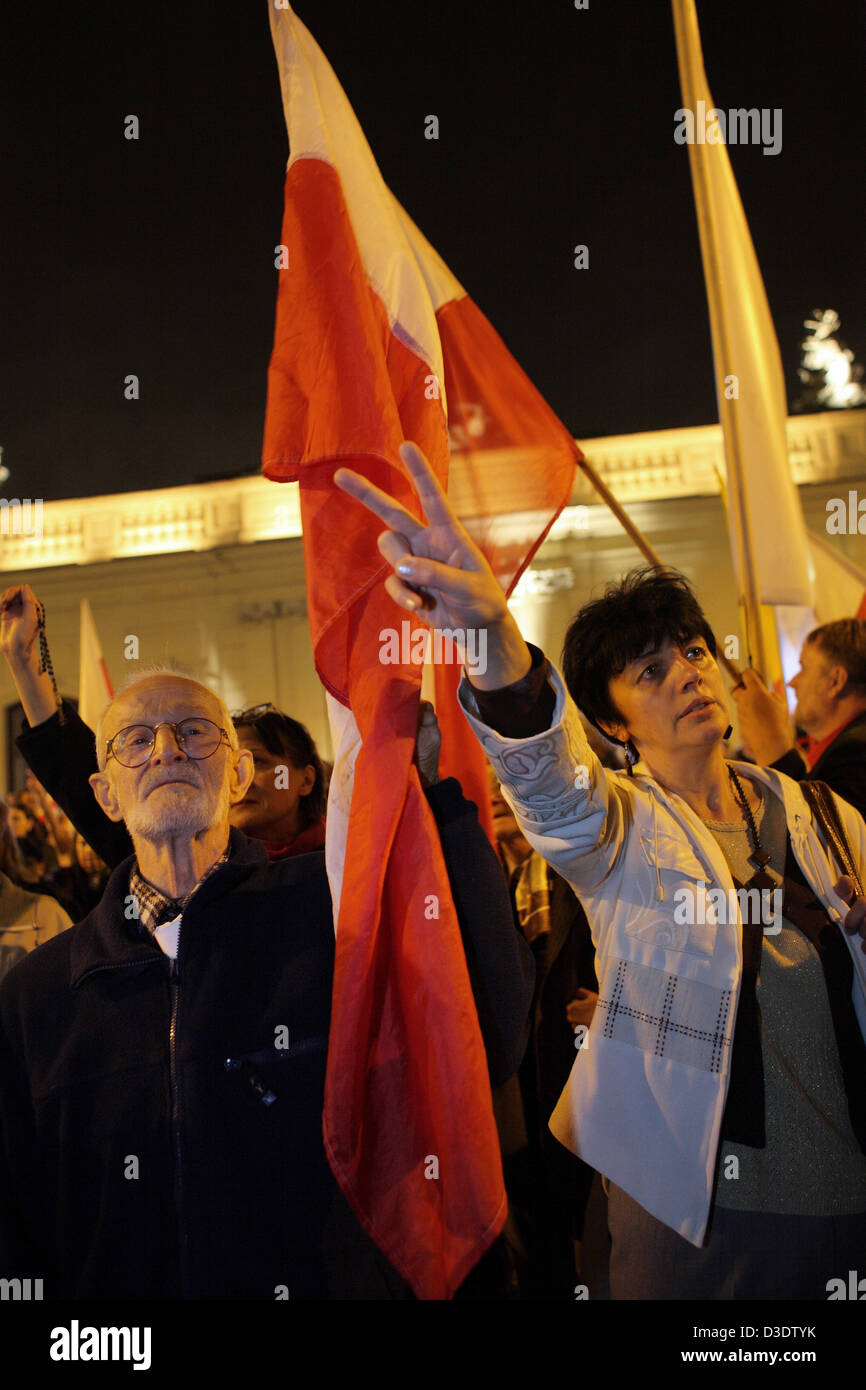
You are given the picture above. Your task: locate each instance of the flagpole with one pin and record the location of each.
(728, 413)
(641, 542)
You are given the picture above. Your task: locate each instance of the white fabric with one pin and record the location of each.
(762, 498)
(406, 272)
(346, 742)
(167, 936)
(840, 586)
(646, 1096)
(94, 691)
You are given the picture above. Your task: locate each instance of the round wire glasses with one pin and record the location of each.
(198, 738)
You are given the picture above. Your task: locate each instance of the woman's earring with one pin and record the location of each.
(631, 757)
(728, 731)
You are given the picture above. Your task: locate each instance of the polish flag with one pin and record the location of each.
(377, 342)
(94, 687)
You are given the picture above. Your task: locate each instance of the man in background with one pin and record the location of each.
(831, 707)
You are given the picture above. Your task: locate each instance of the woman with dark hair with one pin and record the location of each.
(720, 1086)
(285, 805)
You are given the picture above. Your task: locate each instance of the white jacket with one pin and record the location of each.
(646, 1095)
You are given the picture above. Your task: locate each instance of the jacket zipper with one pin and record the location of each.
(177, 1185)
(182, 1237)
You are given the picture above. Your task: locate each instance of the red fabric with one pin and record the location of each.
(407, 1089)
(407, 1075)
(312, 838)
(105, 676)
(510, 457)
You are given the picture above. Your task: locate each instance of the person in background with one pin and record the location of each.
(548, 1187)
(79, 884)
(72, 875)
(37, 855)
(10, 854)
(94, 869)
(285, 805)
(21, 822)
(327, 772)
(59, 830)
(26, 919)
(831, 707)
(31, 800)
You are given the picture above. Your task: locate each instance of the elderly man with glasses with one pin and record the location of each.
(155, 1142)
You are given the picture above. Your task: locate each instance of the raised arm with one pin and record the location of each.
(19, 626)
(567, 806)
(439, 573)
(62, 756)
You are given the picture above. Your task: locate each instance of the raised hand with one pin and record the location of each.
(18, 623)
(765, 725)
(440, 573)
(580, 1010)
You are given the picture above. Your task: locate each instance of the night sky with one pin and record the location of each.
(556, 128)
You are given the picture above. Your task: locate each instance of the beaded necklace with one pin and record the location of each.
(759, 856)
(45, 662)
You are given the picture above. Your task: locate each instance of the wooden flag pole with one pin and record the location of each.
(642, 544)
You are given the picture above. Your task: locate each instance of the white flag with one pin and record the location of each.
(840, 587)
(94, 687)
(768, 537)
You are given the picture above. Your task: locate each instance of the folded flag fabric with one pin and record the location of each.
(839, 584)
(94, 687)
(376, 342)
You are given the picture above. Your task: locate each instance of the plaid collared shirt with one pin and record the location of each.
(154, 906)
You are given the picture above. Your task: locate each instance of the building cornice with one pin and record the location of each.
(690, 462)
(655, 466)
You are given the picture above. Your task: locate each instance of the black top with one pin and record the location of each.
(842, 765)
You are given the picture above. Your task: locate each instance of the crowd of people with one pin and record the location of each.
(49, 875)
(664, 1131)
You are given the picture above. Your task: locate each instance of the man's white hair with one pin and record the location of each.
(168, 669)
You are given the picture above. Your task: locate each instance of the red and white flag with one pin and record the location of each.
(94, 686)
(377, 342)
